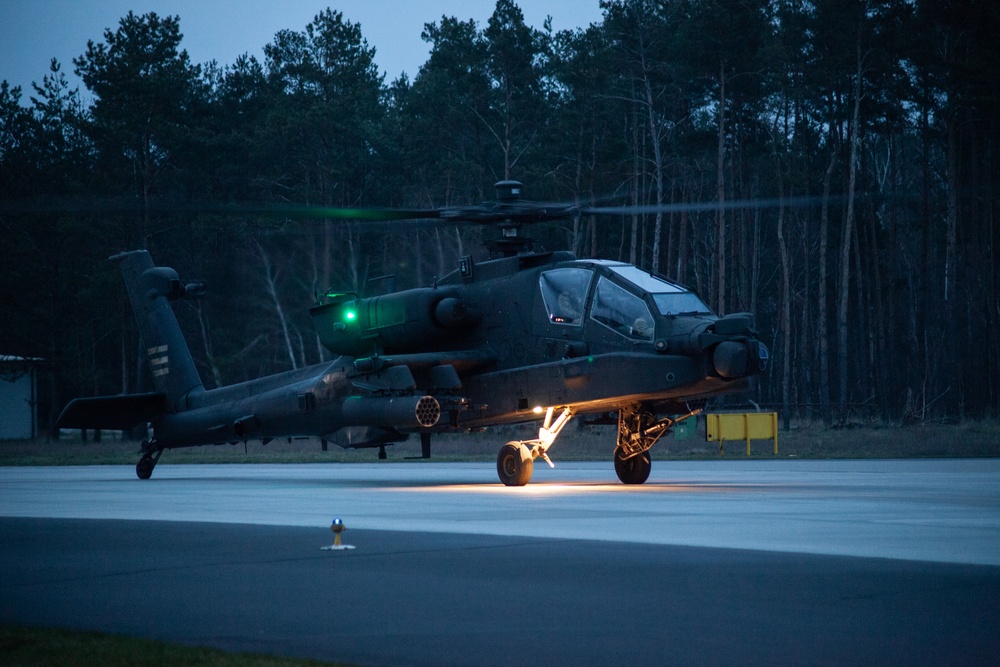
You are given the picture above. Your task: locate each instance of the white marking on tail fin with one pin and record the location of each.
(160, 366)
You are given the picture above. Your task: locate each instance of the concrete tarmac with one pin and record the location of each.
(730, 562)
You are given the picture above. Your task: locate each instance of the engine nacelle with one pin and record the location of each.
(414, 320)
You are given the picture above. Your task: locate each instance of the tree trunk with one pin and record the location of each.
(843, 287)
(272, 289)
(786, 318)
(654, 135)
(822, 329)
(682, 242)
(952, 371)
(207, 343)
(636, 182)
(720, 215)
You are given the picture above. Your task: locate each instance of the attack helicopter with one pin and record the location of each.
(522, 336)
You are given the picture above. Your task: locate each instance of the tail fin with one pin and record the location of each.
(151, 289)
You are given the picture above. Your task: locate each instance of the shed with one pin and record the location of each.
(18, 397)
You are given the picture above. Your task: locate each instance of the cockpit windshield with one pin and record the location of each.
(564, 292)
(621, 311)
(670, 299)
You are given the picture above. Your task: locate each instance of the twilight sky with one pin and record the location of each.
(34, 31)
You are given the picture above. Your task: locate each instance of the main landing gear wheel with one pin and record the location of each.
(634, 470)
(514, 464)
(144, 468)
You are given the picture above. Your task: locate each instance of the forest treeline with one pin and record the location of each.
(840, 157)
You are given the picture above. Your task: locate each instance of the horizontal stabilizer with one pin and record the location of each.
(117, 413)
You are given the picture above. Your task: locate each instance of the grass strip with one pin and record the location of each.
(42, 647)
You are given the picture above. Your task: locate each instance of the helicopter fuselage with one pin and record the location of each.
(534, 331)
(498, 342)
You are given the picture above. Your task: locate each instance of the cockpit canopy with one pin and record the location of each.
(670, 299)
(620, 300)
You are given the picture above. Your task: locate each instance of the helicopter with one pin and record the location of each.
(523, 336)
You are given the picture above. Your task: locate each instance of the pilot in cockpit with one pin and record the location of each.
(568, 309)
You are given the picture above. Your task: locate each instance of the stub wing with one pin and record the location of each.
(121, 413)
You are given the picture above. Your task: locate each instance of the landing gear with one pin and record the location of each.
(633, 470)
(144, 468)
(638, 431)
(514, 464)
(516, 460)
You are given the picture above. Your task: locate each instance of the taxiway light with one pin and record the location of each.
(337, 526)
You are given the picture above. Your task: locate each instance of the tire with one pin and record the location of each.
(514, 464)
(633, 470)
(144, 468)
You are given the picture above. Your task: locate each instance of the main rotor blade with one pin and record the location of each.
(735, 204)
(124, 205)
(374, 214)
(518, 212)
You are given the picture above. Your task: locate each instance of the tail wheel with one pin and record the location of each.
(633, 470)
(514, 464)
(144, 468)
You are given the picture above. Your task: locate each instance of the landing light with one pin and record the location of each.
(538, 409)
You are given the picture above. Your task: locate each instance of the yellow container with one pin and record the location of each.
(744, 426)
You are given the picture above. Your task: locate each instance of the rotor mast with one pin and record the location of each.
(510, 242)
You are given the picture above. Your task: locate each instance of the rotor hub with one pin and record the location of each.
(508, 191)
